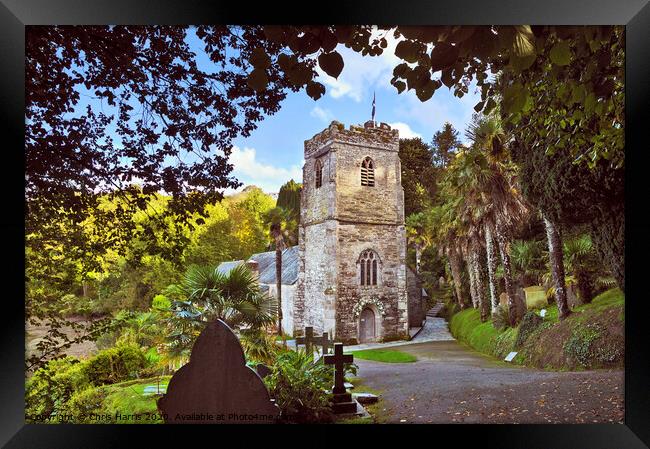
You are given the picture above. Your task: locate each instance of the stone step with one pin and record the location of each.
(433, 312)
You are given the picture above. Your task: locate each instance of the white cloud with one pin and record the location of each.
(405, 131)
(442, 107)
(249, 170)
(324, 115)
(361, 74)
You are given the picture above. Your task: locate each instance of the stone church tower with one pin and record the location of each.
(352, 243)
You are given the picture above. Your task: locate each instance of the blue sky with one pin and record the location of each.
(273, 153)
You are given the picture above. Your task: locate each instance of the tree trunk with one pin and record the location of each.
(492, 268)
(584, 285)
(556, 254)
(504, 251)
(472, 283)
(479, 286)
(455, 263)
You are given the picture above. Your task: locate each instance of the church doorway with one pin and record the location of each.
(367, 328)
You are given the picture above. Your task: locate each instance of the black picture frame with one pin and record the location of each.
(635, 14)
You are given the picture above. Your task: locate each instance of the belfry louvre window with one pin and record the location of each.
(368, 268)
(319, 174)
(367, 173)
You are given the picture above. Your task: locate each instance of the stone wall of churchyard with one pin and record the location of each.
(416, 306)
(388, 296)
(288, 298)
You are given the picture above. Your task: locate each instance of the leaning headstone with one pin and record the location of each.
(341, 399)
(216, 386)
(365, 398)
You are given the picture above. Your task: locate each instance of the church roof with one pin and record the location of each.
(225, 267)
(266, 266)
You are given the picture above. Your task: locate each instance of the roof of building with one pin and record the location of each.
(266, 265)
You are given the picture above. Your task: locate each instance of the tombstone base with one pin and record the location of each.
(343, 403)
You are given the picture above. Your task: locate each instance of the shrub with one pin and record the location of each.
(259, 346)
(116, 364)
(51, 386)
(501, 317)
(161, 303)
(529, 323)
(298, 385)
(579, 346)
(83, 404)
(74, 305)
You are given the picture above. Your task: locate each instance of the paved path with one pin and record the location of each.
(434, 329)
(453, 384)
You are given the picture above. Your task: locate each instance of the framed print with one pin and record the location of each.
(380, 214)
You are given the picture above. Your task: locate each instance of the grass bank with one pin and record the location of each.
(120, 403)
(591, 337)
(384, 355)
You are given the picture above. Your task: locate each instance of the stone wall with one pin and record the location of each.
(288, 298)
(416, 306)
(387, 241)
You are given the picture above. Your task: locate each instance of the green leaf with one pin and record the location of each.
(590, 103)
(560, 53)
(315, 90)
(443, 55)
(491, 104)
(331, 63)
(257, 80)
(522, 63)
(514, 98)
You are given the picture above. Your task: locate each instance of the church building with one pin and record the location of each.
(349, 276)
(352, 274)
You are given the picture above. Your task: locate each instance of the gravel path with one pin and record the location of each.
(453, 384)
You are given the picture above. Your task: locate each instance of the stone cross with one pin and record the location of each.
(338, 359)
(324, 341)
(307, 340)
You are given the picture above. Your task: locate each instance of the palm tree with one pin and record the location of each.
(498, 201)
(281, 229)
(556, 259)
(205, 294)
(579, 260)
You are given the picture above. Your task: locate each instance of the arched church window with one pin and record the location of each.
(368, 267)
(367, 173)
(319, 174)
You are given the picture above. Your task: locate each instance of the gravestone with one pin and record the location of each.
(216, 386)
(309, 341)
(342, 400)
